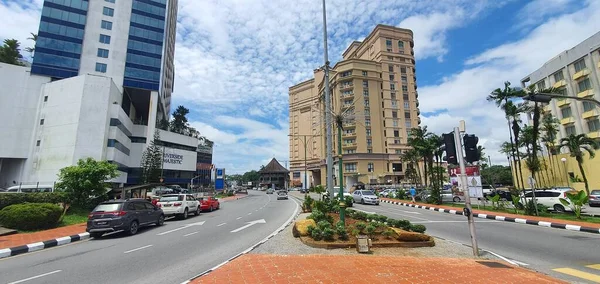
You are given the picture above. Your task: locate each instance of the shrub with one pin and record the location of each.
(324, 225)
(320, 206)
(401, 194)
(360, 226)
(7, 199)
(308, 203)
(349, 201)
(30, 216)
(418, 228)
(361, 216)
(380, 218)
(355, 232)
(370, 229)
(316, 234)
(388, 233)
(402, 224)
(319, 216)
(340, 230)
(310, 229)
(328, 234)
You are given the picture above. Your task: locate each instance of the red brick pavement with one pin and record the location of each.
(546, 219)
(29, 238)
(367, 269)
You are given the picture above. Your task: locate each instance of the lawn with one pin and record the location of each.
(74, 216)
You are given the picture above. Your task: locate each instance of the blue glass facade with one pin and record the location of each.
(58, 48)
(145, 45)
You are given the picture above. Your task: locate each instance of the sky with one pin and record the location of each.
(236, 59)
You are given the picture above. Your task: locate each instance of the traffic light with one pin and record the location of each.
(471, 153)
(450, 148)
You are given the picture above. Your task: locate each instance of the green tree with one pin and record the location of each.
(85, 180)
(577, 146)
(163, 124)
(497, 174)
(251, 176)
(10, 52)
(418, 141)
(179, 123)
(550, 129)
(152, 161)
(33, 37)
(413, 171)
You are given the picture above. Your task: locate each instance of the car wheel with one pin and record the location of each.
(362, 201)
(218, 206)
(96, 235)
(211, 208)
(559, 208)
(133, 228)
(456, 199)
(198, 211)
(185, 214)
(161, 220)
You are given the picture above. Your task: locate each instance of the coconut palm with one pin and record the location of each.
(550, 128)
(418, 141)
(412, 157)
(577, 146)
(33, 37)
(513, 115)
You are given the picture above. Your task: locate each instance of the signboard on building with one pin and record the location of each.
(177, 159)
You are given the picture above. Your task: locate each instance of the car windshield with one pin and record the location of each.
(367, 192)
(168, 198)
(595, 192)
(108, 207)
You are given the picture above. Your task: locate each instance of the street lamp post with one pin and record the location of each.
(564, 161)
(328, 118)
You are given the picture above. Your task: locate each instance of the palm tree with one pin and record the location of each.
(417, 141)
(412, 157)
(577, 145)
(550, 128)
(33, 37)
(505, 148)
(513, 115)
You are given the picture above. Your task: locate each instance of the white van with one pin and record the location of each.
(29, 188)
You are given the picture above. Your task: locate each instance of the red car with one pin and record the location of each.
(209, 203)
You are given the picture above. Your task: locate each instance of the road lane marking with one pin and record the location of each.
(250, 213)
(238, 218)
(511, 261)
(221, 224)
(137, 249)
(181, 228)
(409, 216)
(464, 221)
(594, 266)
(35, 277)
(252, 223)
(411, 212)
(579, 274)
(191, 234)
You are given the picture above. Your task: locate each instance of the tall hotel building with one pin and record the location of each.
(102, 76)
(374, 86)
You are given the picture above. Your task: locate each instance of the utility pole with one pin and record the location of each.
(329, 144)
(465, 188)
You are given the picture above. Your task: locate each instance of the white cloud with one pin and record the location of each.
(19, 19)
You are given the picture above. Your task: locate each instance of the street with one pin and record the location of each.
(534, 247)
(173, 253)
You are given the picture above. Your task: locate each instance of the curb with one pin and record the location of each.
(503, 218)
(42, 245)
(285, 224)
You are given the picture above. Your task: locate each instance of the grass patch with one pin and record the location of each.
(74, 216)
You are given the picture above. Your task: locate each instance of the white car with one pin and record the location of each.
(365, 197)
(549, 198)
(179, 204)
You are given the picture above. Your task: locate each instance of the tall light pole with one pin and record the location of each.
(305, 184)
(328, 144)
(564, 161)
(468, 210)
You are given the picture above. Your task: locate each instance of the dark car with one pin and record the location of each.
(504, 195)
(123, 215)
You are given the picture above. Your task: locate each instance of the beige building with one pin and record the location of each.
(374, 89)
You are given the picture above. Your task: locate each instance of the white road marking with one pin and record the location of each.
(411, 212)
(181, 228)
(511, 261)
(221, 224)
(137, 249)
(238, 218)
(363, 211)
(261, 221)
(191, 234)
(465, 221)
(35, 277)
(250, 213)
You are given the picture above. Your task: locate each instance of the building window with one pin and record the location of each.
(587, 106)
(37, 143)
(105, 39)
(579, 65)
(392, 77)
(391, 68)
(110, 1)
(558, 76)
(369, 151)
(367, 112)
(370, 167)
(584, 85)
(570, 130)
(45, 98)
(368, 132)
(566, 112)
(394, 104)
(388, 42)
(541, 85)
(407, 114)
(395, 123)
(396, 133)
(400, 44)
(367, 122)
(366, 102)
(365, 84)
(369, 142)
(404, 88)
(100, 67)
(404, 79)
(42, 121)
(350, 167)
(102, 52)
(407, 124)
(365, 73)
(593, 125)
(394, 114)
(405, 97)
(393, 95)
(106, 25)
(392, 86)
(406, 105)
(108, 11)
(403, 70)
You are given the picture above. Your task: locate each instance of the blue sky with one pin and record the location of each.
(236, 59)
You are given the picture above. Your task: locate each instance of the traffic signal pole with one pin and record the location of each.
(468, 211)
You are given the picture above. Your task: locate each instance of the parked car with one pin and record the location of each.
(449, 196)
(270, 190)
(388, 192)
(504, 195)
(30, 188)
(209, 203)
(594, 198)
(365, 197)
(180, 205)
(549, 198)
(282, 194)
(123, 215)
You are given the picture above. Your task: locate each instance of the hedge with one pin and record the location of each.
(7, 199)
(30, 216)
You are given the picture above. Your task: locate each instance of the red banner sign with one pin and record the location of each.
(471, 171)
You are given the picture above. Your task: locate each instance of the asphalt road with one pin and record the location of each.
(534, 247)
(171, 253)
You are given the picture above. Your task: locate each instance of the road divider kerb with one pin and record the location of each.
(502, 218)
(42, 245)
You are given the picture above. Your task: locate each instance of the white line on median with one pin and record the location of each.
(221, 224)
(238, 218)
(35, 277)
(191, 234)
(250, 213)
(137, 249)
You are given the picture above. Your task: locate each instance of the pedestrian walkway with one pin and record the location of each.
(22, 239)
(235, 197)
(536, 218)
(581, 272)
(367, 269)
